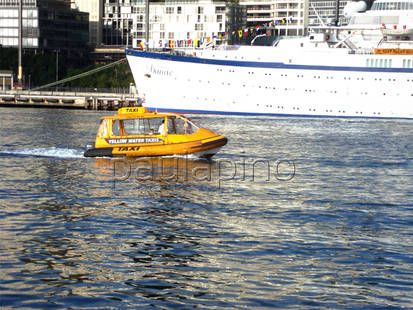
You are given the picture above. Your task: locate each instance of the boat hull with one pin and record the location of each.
(240, 87)
(202, 148)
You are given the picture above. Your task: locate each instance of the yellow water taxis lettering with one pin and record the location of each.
(152, 140)
(133, 140)
(137, 140)
(118, 141)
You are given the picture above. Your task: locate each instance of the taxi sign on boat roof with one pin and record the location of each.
(137, 112)
(132, 110)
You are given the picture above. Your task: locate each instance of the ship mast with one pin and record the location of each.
(337, 13)
(147, 24)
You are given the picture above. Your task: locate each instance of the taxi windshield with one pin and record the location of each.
(136, 126)
(156, 125)
(181, 126)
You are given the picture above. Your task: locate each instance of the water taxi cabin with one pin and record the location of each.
(137, 132)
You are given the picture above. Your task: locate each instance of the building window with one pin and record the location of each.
(220, 9)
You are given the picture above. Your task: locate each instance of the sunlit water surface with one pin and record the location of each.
(292, 213)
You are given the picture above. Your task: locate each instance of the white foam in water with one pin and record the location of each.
(46, 152)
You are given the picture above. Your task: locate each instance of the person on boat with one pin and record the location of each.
(151, 132)
(161, 129)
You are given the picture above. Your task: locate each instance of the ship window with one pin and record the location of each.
(376, 63)
(385, 63)
(404, 63)
(381, 62)
(409, 62)
(367, 62)
(390, 63)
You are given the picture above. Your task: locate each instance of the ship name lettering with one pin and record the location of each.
(160, 71)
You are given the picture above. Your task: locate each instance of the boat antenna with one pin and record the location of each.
(147, 24)
(337, 13)
(318, 16)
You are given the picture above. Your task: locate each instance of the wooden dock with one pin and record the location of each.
(69, 100)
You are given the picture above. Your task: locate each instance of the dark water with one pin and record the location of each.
(293, 213)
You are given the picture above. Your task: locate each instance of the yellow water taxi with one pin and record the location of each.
(136, 132)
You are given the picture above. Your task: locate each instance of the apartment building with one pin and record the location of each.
(124, 21)
(95, 10)
(293, 17)
(322, 11)
(280, 17)
(47, 24)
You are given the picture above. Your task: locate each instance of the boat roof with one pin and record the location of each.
(138, 112)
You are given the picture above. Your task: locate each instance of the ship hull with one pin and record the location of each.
(313, 88)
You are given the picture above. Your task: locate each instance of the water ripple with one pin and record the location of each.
(237, 234)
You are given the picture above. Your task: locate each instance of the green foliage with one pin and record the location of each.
(119, 76)
(40, 69)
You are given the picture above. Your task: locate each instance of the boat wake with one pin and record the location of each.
(44, 152)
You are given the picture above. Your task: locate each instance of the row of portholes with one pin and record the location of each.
(213, 55)
(270, 106)
(317, 76)
(286, 89)
(297, 109)
(294, 108)
(314, 110)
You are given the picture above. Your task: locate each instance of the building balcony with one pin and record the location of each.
(259, 11)
(260, 19)
(255, 2)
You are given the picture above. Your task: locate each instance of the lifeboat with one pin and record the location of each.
(136, 132)
(397, 32)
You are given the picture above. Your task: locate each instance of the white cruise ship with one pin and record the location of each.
(364, 69)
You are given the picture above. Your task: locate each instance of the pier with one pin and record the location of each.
(70, 100)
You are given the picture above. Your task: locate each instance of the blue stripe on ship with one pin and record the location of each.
(257, 64)
(183, 111)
